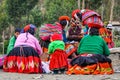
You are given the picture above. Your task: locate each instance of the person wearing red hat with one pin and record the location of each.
(93, 52)
(58, 57)
(64, 22)
(25, 56)
(75, 30)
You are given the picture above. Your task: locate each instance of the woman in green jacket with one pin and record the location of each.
(93, 52)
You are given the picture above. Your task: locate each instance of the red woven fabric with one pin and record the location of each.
(58, 60)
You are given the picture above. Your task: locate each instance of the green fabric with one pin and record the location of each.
(55, 45)
(93, 44)
(11, 44)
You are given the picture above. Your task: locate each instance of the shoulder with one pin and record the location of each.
(12, 38)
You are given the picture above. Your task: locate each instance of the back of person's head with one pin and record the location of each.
(94, 31)
(56, 37)
(64, 20)
(30, 28)
(17, 30)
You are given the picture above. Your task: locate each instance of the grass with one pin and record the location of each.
(117, 43)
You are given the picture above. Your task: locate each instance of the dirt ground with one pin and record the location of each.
(21, 76)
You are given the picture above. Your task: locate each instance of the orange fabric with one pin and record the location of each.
(99, 68)
(64, 18)
(106, 68)
(105, 35)
(27, 27)
(103, 31)
(71, 69)
(71, 52)
(74, 12)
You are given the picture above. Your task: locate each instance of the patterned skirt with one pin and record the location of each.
(90, 64)
(58, 60)
(22, 60)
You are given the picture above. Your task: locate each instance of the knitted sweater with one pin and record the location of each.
(93, 44)
(55, 45)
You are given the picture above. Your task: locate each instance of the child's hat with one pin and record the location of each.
(56, 37)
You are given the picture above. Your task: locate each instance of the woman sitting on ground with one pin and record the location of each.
(25, 56)
(92, 59)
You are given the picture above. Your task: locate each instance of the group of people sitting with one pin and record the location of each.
(90, 55)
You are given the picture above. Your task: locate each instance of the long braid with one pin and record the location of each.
(26, 36)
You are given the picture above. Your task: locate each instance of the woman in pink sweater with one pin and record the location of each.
(25, 57)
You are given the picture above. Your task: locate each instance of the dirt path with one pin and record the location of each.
(18, 76)
(21, 76)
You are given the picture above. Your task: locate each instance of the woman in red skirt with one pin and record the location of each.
(25, 56)
(58, 58)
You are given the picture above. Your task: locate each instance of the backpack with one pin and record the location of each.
(47, 30)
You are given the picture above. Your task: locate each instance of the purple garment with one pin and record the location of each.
(28, 40)
(75, 30)
(74, 33)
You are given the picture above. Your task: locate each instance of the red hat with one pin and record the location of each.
(93, 21)
(74, 12)
(26, 28)
(64, 18)
(56, 37)
(95, 25)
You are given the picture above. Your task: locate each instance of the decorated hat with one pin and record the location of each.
(95, 25)
(64, 18)
(27, 27)
(56, 37)
(74, 12)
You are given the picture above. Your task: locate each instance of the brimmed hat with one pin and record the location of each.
(74, 12)
(56, 37)
(95, 25)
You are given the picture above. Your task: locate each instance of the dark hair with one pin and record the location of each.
(63, 22)
(94, 31)
(79, 16)
(31, 31)
(17, 30)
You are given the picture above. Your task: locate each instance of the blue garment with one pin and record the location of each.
(64, 36)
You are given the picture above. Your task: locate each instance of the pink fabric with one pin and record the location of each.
(92, 17)
(31, 41)
(49, 29)
(2, 60)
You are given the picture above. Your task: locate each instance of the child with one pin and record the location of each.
(58, 58)
(13, 39)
